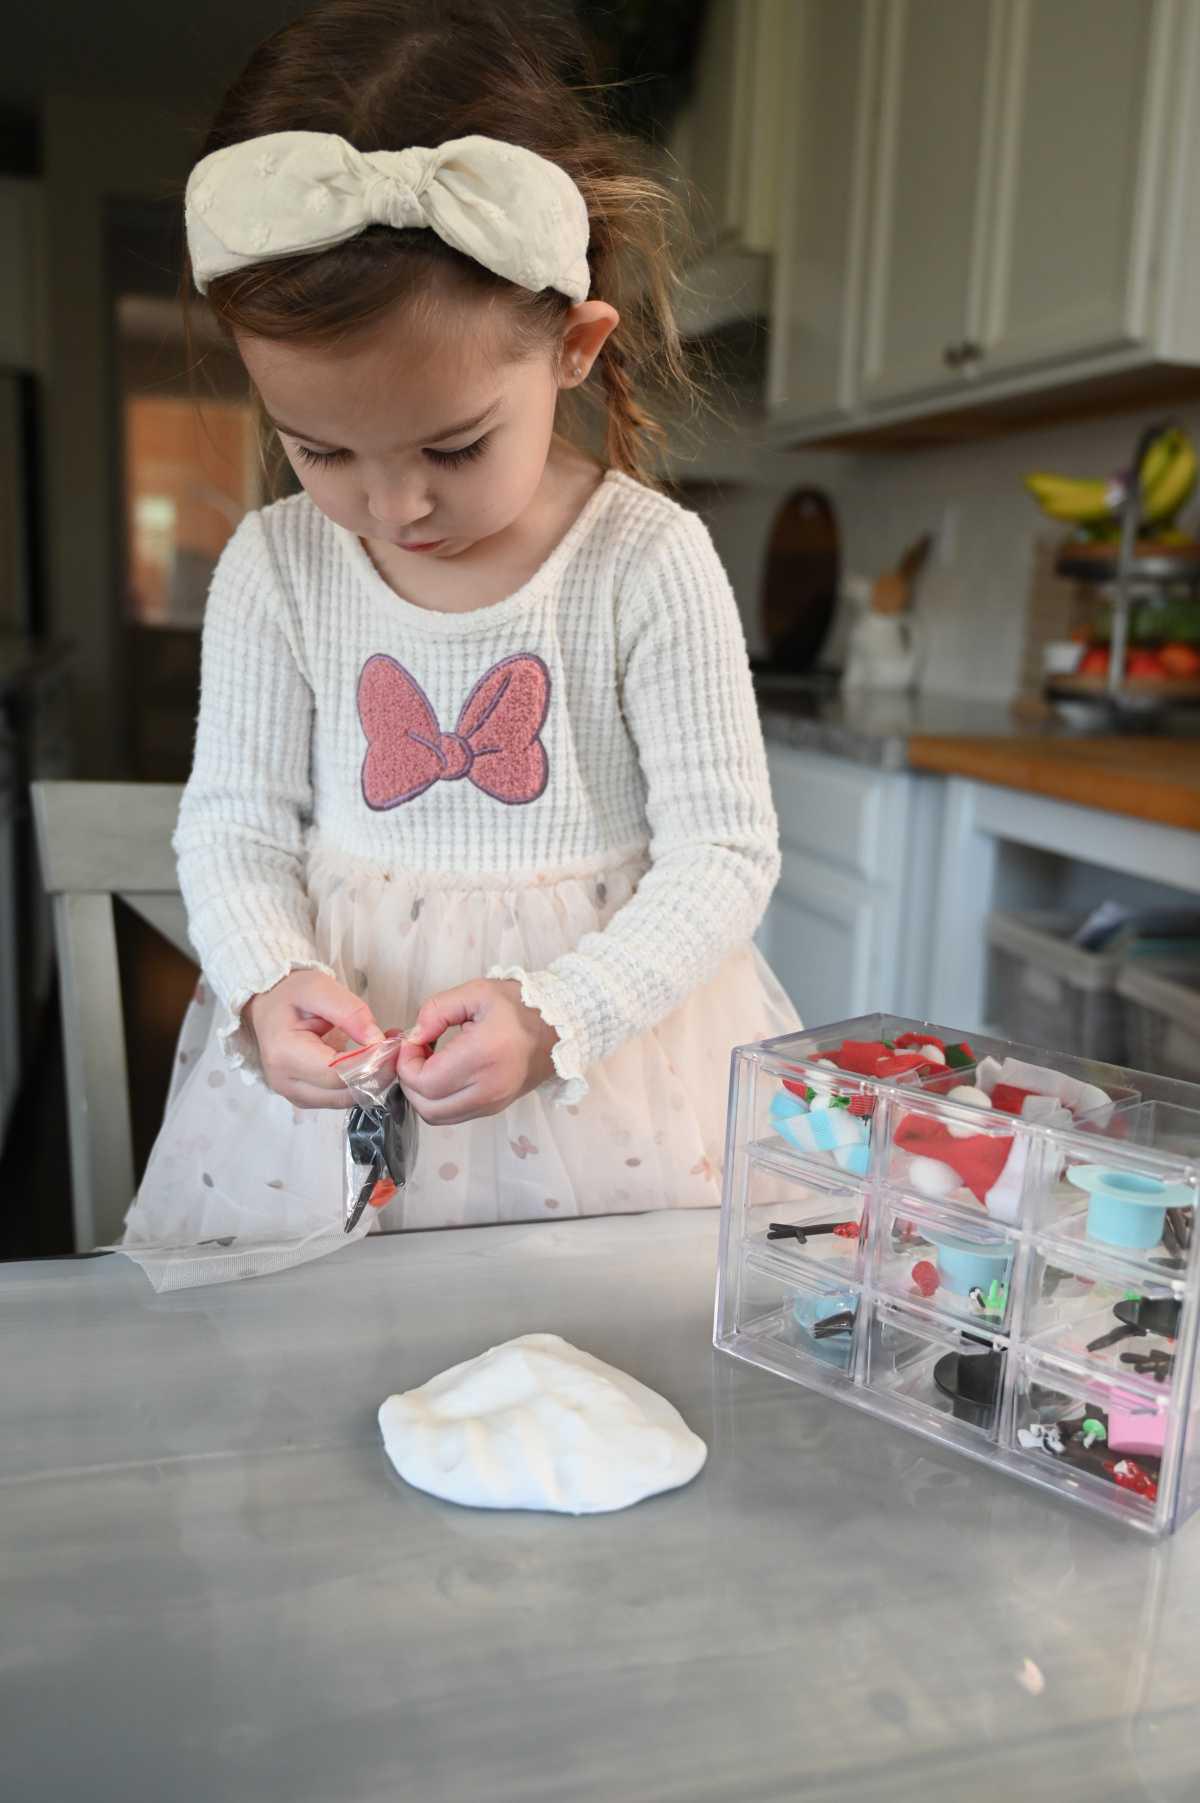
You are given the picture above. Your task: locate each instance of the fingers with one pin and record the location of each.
(468, 1104)
(453, 1008)
(436, 1075)
(303, 1095)
(330, 1001)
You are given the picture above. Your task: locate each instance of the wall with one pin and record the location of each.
(973, 594)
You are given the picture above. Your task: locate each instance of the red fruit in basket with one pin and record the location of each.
(1145, 664)
(925, 1277)
(1095, 662)
(1180, 660)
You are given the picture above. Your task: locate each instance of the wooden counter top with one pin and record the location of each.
(1148, 778)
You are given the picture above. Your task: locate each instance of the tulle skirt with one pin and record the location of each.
(258, 1184)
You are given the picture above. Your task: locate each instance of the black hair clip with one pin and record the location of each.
(1123, 1331)
(834, 1324)
(1157, 1363)
(785, 1230)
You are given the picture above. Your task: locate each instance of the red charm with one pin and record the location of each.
(1129, 1475)
(917, 1040)
(925, 1277)
(847, 1230)
(977, 1161)
(1009, 1099)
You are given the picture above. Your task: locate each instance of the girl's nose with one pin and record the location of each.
(398, 506)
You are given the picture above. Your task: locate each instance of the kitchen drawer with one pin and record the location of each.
(839, 813)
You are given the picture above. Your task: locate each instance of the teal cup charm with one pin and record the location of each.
(1125, 1208)
(966, 1265)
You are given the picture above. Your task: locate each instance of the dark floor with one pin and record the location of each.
(35, 1172)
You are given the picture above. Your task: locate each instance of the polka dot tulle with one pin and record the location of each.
(237, 1160)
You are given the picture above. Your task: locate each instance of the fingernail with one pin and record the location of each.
(414, 1036)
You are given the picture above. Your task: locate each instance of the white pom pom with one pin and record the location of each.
(934, 1053)
(975, 1098)
(932, 1178)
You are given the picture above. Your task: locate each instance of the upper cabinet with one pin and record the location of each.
(726, 146)
(982, 199)
(1080, 158)
(823, 146)
(928, 175)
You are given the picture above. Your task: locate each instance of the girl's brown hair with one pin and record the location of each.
(386, 74)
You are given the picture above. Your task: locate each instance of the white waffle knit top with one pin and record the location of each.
(603, 709)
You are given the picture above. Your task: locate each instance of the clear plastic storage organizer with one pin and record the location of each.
(985, 1242)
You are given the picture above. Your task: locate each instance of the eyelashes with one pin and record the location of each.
(324, 458)
(450, 460)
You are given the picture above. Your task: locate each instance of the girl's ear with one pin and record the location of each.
(586, 327)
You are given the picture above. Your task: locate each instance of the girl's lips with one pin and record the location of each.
(429, 544)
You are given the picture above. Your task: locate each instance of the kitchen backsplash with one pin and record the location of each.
(973, 595)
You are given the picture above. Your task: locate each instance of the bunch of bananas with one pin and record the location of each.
(1169, 471)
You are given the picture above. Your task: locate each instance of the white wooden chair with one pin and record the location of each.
(97, 841)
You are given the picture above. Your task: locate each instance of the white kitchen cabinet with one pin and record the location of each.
(1084, 131)
(846, 931)
(726, 145)
(821, 233)
(726, 140)
(1019, 177)
(926, 226)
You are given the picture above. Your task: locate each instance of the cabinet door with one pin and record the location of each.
(819, 937)
(826, 145)
(936, 99)
(1083, 111)
(726, 141)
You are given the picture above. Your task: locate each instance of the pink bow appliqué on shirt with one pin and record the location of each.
(495, 744)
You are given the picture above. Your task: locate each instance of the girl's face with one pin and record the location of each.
(422, 437)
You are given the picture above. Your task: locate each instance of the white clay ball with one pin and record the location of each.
(931, 1177)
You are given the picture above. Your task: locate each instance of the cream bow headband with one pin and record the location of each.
(291, 191)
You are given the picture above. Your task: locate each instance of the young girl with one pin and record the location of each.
(477, 745)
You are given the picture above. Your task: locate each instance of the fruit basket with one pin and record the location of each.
(987, 1243)
(1143, 654)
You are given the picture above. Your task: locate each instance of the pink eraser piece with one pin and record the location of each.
(1136, 1428)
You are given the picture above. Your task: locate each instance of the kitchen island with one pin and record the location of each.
(215, 1587)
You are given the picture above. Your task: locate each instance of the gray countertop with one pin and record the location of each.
(214, 1587)
(874, 727)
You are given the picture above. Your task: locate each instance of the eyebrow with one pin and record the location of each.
(463, 425)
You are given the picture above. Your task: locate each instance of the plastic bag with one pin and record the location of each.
(381, 1132)
(253, 1227)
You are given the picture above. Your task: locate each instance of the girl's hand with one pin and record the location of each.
(503, 1051)
(289, 1023)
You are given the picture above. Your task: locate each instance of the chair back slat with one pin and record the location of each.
(97, 841)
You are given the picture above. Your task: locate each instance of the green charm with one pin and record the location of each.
(958, 1057)
(1093, 1430)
